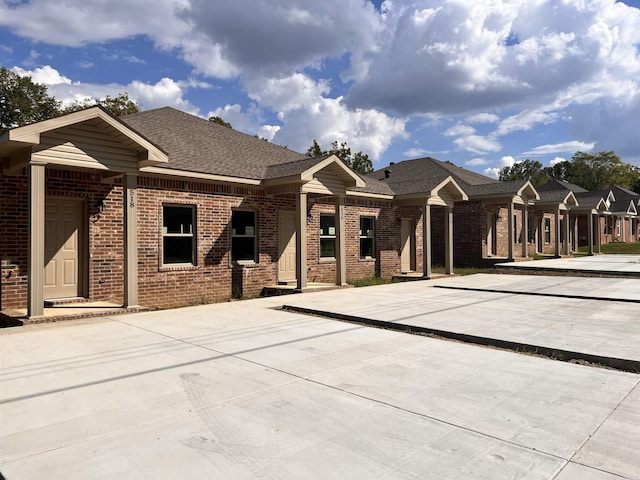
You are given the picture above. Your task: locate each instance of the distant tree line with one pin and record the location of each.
(591, 171)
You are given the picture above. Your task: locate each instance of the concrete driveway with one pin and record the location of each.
(242, 390)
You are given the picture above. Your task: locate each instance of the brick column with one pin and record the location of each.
(35, 261)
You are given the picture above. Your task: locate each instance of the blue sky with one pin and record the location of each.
(482, 83)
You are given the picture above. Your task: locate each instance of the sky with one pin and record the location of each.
(481, 83)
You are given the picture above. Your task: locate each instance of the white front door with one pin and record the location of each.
(287, 246)
(63, 246)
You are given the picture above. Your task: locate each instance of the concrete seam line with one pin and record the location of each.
(622, 364)
(539, 294)
(590, 436)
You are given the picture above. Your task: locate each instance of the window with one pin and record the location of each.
(327, 236)
(366, 237)
(243, 236)
(515, 229)
(178, 239)
(547, 230)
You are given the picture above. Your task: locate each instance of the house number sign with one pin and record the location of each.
(132, 198)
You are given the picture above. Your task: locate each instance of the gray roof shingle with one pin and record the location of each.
(198, 145)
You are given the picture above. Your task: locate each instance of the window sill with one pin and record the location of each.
(177, 267)
(327, 260)
(244, 263)
(367, 259)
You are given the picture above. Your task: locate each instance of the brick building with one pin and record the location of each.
(164, 209)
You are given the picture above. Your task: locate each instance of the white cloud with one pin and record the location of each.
(416, 153)
(165, 92)
(492, 172)
(460, 130)
(483, 118)
(572, 147)
(506, 161)
(475, 162)
(534, 62)
(557, 160)
(45, 75)
(306, 113)
(477, 144)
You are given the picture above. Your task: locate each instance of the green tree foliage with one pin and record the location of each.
(220, 121)
(23, 101)
(591, 171)
(526, 170)
(119, 105)
(598, 171)
(359, 162)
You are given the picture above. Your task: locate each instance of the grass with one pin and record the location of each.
(616, 248)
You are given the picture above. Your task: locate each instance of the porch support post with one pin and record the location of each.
(301, 240)
(556, 220)
(35, 261)
(510, 238)
(623, 227)
(448, 241)
(536, 233)
(598, 235)
(426, 241)
(567, 232)
(590, 234)
(341, 251)
(525, 230)
(130, 190)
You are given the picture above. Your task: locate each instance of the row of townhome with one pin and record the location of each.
(164, 209)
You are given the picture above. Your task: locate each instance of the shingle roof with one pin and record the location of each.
(588, 200)
(554, 184)
(413, 176)
(198, 145)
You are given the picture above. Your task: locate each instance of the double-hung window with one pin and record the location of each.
(366, 237)
(178, 234)
(327, 236)
(243, 236)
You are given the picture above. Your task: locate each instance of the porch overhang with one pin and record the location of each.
(568, 202)
(444, 194)
(76, 140)
(326, 176)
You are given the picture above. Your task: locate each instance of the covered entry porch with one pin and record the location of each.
(72, 165)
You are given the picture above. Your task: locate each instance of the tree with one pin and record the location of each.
(119, 105)
(358, 162)
(526, 170)
(23, 101)
(598, 171)
(591, 171)
(220, 121)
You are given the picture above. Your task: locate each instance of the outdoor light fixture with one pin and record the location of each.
(100, 206)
